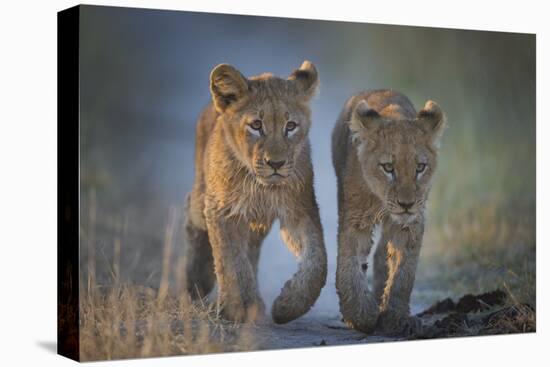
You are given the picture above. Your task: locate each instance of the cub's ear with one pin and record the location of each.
(227, 85)
(364, 119)
(306, 80)
(432, 121)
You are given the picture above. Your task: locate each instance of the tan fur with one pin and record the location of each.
(377, 127)
(236, 196)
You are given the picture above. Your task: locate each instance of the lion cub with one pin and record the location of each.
(253, 166)
(384, 155)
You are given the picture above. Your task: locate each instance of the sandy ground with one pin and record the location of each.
(312, 330)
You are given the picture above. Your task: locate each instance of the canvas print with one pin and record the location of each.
(238, 183)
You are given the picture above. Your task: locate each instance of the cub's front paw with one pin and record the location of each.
(238, 312)
(394, 324)
(287, 307)
(282, 310)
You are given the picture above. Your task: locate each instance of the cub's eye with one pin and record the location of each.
(291, 125)
(255, 128)
(388, 167)
(420, 167)
(256, 125)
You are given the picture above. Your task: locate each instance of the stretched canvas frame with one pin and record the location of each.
(505, 63)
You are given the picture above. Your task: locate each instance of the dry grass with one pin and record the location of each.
(132, 321)
(520, 318)
(475, 246)
(484, 249)
(485, 246)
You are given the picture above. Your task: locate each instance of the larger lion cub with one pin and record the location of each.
(253, 166)
(384, 154)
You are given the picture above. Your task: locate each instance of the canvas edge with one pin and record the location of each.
(68, 216)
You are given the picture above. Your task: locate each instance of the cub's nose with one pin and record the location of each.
(274, 164)
(405, 205)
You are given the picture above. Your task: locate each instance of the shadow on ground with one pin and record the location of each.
(50, 346)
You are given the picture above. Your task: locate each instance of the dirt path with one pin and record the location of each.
(310, 331)
(482, 314)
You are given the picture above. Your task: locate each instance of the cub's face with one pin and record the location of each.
(265, 119)
(398, 157)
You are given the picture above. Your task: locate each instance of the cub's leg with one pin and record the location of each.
(402, 251)
(237, 286)
(380, 263)
(304, 238)
(358, 304)
(199, 264)
(254, 247)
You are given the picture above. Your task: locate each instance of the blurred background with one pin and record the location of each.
(144, 80)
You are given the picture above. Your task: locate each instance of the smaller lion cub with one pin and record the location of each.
(253, 166)
(384, 155)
